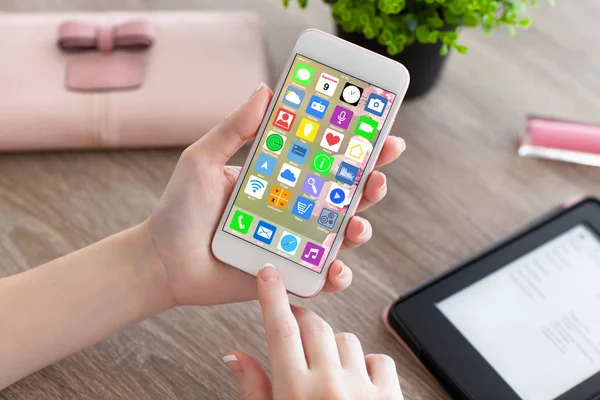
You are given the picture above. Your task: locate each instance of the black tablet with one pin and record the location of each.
(521, 320)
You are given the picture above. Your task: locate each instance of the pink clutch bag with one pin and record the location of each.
(122, 80)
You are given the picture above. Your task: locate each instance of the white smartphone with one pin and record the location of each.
(331, 112)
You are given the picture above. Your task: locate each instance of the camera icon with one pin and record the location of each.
(376, 104)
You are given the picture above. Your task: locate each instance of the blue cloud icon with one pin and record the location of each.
(288, 175)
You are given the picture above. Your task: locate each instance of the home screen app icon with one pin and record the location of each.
(376, 104)
(288, 243)
(347, 173)
(366, 127)
(289, 175)
(284, 119)
(298, 152)
(293, 97)
(274, 142)
(265, 164)
(264, 232)
(303, 207)
(358, 149)
(341, 117)
(317, 107)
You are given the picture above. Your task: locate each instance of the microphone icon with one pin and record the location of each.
(341, 117)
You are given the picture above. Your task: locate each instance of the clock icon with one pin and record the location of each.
(351, 94)
(288, 243)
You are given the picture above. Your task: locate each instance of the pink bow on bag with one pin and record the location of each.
(107, 69)
(74, 35)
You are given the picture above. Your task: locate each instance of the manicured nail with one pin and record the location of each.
(402, 145)
(383, 186)
(363, 229)
(234, 365)
(260, 86)
(268, 273)
(342, 271)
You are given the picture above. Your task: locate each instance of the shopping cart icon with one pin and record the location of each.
(303, 207)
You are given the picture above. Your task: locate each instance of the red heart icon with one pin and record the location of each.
(332, 139)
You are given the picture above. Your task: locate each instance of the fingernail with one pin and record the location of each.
(342, 271)
(260, 86)
(383, 186)
(363, 229)
(402, 145)
(268, 273)
(234, 365)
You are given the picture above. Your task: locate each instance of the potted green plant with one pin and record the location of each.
(420, 33)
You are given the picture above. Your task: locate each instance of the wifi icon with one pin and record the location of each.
(255, 187)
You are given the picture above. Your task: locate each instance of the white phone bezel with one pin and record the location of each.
(351, 60)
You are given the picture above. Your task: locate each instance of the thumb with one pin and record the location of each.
(229, 135)
(253, 383)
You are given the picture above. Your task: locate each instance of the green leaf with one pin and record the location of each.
(393, 49)
(363, 20)
(487, 29)
(377, 23)
(435, 22)
(385, 36)
(422, 33)
(369, 32)
(488, 20)
(512, 31)
(525, 22)
(471, 19)
(400, 39)
(285, 3)
(460, 48)
(444, 50)
(450, 18)
(391, 6)
(510, 15)
(302, 3)
(349, 26)
(345, 16)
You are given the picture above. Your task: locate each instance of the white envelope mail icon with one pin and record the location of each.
(264, 232)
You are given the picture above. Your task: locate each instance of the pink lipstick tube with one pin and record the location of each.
(561, 140)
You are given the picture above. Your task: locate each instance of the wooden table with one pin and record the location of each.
(459, 187)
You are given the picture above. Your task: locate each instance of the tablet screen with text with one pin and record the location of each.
(536, 321)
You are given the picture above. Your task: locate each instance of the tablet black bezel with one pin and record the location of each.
(443, 349)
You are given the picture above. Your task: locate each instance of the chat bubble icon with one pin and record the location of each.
(303, 74)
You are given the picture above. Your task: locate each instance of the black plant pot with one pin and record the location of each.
(423, 61)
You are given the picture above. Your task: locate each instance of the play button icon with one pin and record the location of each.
(338, 196)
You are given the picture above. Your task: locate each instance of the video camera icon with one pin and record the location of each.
(363, 126)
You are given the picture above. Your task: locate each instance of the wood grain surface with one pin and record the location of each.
(459, 187)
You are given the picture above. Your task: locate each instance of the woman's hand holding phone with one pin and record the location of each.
(182, 226)
(309, 361)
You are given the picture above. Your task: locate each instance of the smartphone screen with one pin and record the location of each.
(308, 163)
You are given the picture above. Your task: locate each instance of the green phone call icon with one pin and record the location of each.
(241, 222)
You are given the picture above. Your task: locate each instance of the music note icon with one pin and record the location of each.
(313, 253)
